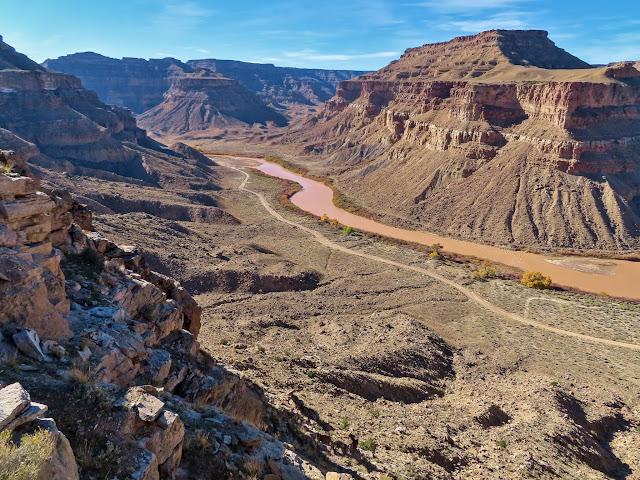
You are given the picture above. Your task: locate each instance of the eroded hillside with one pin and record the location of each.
(500, 137)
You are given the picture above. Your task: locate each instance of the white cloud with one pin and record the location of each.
(506, 20)
(459, 6)
(181, 16)
(313, 55)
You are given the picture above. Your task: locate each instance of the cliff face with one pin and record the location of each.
(134, 83)
(140, 84)
(277, 85)
(499, 136)
(206, 100)
(48, 118)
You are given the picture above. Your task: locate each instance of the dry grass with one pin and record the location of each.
(24, 461)
(254, 468)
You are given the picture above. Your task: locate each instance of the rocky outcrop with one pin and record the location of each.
(205, 100)
(31, 280)
(432, 133)
(127, 339)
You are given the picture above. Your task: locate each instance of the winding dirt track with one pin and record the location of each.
(465, 291)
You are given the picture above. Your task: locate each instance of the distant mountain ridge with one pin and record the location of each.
(140, 84)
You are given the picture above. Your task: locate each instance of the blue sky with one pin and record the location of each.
(358, 34)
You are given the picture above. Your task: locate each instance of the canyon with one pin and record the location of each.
(174, 315)
(141, 85)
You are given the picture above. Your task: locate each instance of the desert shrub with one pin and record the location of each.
(80, 376)
(436, 247)
(374, 413)
(348, 231)
(345, 423)
(98, 396)
(369, 445)
(334, 222)
(253, 468)
(486, 271)
(24, 462)
(8, 166)
(324, 217)
(536, 280)
(501, 444)
(435, 255)
(98, 455)
(224, 341)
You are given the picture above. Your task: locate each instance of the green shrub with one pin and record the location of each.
(369, 445)
(345, 423)
(501, 444)
(224, 341)
(374, 413)
(348, 231)
(24, 462)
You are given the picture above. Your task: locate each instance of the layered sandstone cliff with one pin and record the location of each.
(134, 83)
(65, 122)
(205, 100)
(49, 119)
(500, 136)
(281, 85)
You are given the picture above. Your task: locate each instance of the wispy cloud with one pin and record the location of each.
(506, 20)
(323, 57)
(181, 16)
(461, 6)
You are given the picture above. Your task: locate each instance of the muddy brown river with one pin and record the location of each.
(616, 277)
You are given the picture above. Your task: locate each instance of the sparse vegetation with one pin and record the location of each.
(80, 376)
(253, 468)
(501, 444)
(369, 445)
(8, 166)
(537, 280)
(484, 272)
(24, 461)
(345, 423)
(348, 231)
(224, 341)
